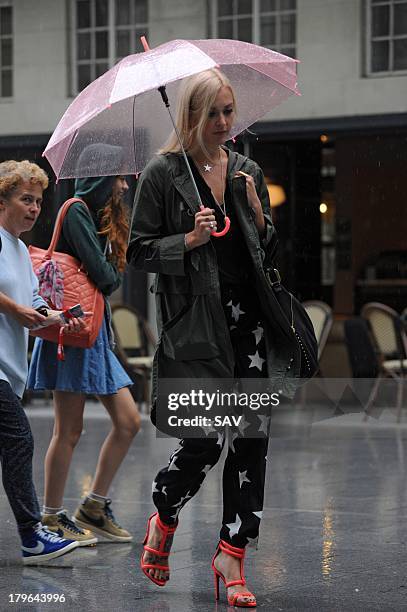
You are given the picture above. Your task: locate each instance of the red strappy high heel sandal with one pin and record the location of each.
(233, 600)
(162, 551)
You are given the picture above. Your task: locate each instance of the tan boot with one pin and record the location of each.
(98, 516)
(62, 525)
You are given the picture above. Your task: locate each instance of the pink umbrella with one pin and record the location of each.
(122, 108)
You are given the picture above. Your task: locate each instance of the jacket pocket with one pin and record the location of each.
(190, 333)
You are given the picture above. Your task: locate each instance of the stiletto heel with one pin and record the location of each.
(161, 551)
(216, 579)
(233, 600)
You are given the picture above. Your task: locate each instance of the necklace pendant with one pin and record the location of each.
(207, 168)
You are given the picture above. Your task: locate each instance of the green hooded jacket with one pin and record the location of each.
(194, 340)
(80, 228)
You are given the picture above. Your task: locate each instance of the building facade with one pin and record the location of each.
(338, 152)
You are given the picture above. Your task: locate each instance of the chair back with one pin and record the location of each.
(362, 352)
(387, 329)
(321, 316)
(132, 331)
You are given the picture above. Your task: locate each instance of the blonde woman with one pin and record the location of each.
(208, 292)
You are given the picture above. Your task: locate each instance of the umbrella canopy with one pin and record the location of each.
(123, 108)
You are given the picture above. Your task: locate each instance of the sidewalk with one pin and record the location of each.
(333, 534)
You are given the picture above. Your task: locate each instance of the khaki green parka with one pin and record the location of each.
(194, 340)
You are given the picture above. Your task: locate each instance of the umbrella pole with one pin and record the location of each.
(164, 96)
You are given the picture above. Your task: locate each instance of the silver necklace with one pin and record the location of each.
(222, 206)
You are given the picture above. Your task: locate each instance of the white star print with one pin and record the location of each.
(175, 516)
(182, 500)
(154, 488)
(259, 514)
(164, 491)
(220, 439)
(253, 542)
(243, 424)
(172, 465)
(208, 429)
(258, 333)
(208, 168)
(243, 478)
(206, 469)
(234, 527)
(264, 423)
(256, 361)
(236, 312)
(231, 440)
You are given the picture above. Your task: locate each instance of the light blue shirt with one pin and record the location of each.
(18, 282)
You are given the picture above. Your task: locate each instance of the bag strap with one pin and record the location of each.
(58, 225)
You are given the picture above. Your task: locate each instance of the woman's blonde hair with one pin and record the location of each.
(195, 100)
(13, 173)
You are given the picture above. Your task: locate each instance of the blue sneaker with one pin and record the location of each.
(41, 545)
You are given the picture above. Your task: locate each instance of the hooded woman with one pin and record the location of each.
(96, 234)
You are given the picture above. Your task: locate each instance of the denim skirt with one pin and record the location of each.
(95, 370)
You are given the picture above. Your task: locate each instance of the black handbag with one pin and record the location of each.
(299, 322)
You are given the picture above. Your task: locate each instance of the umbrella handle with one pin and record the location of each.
(224, 231)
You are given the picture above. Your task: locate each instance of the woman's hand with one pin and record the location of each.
(254, 201)
(205, 223)
(73, 325)
(27, 317)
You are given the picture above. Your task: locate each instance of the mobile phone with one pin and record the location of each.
(73, 311)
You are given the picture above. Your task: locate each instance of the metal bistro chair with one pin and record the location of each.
(135, 343)
(321, 316)
(391, 344)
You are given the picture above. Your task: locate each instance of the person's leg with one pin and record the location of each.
(243, 490)
(67, 431)
(125, 418)
(173, 486)
(16, 452)
(245, 465)
(94, 512)
(182, 478)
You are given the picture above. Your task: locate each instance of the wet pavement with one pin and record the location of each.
(333, 535)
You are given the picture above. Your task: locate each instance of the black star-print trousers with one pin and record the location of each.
(245, 466)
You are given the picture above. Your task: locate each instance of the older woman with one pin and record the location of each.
(21, 188)
(208, 294)
(95, 231)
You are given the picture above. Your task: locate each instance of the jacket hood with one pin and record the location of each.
(98, 159)
(95, 190)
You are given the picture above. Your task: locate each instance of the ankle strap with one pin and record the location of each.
(167, 529)
(233, 551)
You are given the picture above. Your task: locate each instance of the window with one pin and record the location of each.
(386, 36)
(105, 31)
(6, 51)
(270, 23)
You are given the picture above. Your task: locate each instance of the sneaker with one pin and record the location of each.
(98, 516)
(40, 545)
(61, 524)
